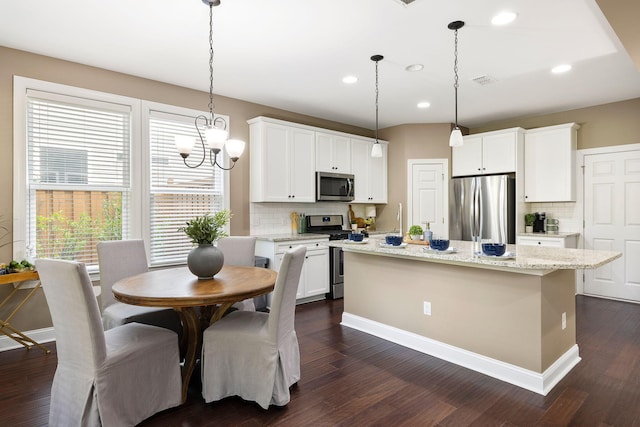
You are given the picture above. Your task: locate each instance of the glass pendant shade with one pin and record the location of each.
(235, 148)
(184, 144)
(215, 137)
(455, 140)
(376, 150)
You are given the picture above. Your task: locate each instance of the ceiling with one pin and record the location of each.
(292, 54)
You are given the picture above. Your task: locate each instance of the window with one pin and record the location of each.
(177, 192)
(91, 166)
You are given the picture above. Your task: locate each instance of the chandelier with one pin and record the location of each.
(215, 128)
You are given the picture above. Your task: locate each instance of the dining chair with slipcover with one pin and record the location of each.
(118, 259)
(117, 377)
(239, 250)
(255, 355)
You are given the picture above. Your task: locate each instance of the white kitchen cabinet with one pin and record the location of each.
(488, 153)
(370, 173)
(282, 162)
(556, 241)
(550, 163)
(314, 278)
(333, 153)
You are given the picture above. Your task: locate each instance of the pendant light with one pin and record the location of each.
(455, 140)
(376, 150)
(215, 132)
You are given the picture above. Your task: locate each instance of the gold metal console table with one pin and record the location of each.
(5, 326)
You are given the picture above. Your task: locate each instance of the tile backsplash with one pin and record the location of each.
(275, 218)
(567, 213)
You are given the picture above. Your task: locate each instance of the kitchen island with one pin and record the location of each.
(512, 318)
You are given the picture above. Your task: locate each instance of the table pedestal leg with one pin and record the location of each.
(191, 330)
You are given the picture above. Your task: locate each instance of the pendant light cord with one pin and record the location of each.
(377, 102)
(455, 73)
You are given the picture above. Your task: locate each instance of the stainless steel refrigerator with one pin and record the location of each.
(483, 207)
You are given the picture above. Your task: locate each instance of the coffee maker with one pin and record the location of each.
(538, 223)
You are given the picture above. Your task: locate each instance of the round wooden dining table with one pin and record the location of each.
(194, 298)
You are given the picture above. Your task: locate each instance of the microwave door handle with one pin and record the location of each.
(349, 187)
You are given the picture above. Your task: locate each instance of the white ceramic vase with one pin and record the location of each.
(205, 261)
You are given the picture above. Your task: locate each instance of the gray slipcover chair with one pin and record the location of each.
(239, 250)
(118, 259)
(255, 355)
(114, 378)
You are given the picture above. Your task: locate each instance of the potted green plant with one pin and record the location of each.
(415, 231)
(205, 260)
(529, 219)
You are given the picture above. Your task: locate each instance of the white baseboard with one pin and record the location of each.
(40, 336)
(525, 378)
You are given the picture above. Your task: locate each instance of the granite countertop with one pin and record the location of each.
(286, 237)
(558, 234)
(525, 259)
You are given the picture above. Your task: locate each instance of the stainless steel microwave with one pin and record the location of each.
(334, 187)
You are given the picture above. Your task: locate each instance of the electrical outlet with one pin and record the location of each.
(427, 308)
(564, 320)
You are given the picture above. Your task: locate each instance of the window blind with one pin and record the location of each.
(177, 193)
(78, 174)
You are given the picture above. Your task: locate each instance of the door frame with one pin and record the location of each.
(445, 190)
(580, 156)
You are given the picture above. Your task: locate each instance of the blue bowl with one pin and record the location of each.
(393, 240)
(494, 249)
(356, 237)
(439, 244)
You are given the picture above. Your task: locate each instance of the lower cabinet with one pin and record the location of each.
(569, 241)
(314, 279)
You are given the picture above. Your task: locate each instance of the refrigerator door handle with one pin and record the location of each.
(475, 232)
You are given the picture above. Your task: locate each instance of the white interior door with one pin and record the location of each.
(612, 222)
(428, 196)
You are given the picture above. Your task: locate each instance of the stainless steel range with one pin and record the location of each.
(333, 226)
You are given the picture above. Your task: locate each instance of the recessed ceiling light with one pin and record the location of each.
(559, 69)
(414, 67)
(503, 18)
(349, 79)
(424, 104)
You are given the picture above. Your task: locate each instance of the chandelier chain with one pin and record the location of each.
(211, 62)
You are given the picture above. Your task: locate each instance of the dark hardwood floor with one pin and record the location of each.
(351, 378)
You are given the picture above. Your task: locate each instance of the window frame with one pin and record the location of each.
(139, 206)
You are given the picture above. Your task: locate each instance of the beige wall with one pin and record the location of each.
(412, 141)
(600, 126)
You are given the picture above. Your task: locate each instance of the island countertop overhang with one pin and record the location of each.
(526, 260)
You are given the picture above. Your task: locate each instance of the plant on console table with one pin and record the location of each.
(206, 260)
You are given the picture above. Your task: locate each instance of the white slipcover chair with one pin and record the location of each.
(239, 250)
(124, 258)
(255, 355)
(114, 378)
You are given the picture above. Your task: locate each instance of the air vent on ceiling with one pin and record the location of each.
(405, 2)
(484, 80)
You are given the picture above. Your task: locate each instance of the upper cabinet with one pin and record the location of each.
(285, 157)
(550, 164)
(333, 153)
(370, 173)
(282, 162)
(487, 153)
